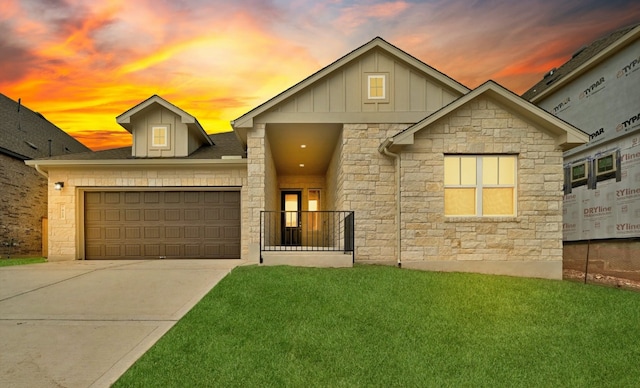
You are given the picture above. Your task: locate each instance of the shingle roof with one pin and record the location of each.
(579, 58)
(224, 144)
(25, 134)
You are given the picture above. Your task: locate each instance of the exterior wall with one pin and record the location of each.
(344, 91)
(334, 179)
(618, 258)
(368, 188)
(23, 204)
(258, 161)
(66, 205)
(178, 139)
(529, 244)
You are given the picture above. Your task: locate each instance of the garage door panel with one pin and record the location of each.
(192, 214)
(132, 215)
(152, 250)
(112, 198)
(132, 233)
(173, 250)
(113, 250)
(151, 232)
(93, 233)
(151, 215)
(153, 224)
(172, 215)
(172, 232)
(112, 233)
(133, 251)
(231, 232)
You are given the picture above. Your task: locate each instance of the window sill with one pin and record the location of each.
(474, 219)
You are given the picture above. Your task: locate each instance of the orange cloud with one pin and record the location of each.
(82, 63)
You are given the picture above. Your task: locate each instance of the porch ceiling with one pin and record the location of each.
(286, 142)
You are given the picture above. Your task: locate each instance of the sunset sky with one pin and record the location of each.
(83, 62)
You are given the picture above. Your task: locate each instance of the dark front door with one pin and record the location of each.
(291, 218)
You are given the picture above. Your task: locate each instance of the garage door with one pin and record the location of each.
(162, 224)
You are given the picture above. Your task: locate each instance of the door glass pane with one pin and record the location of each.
(497, 201)
(460, 202)
(291, 209)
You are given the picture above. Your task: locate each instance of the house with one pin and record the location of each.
(376, 158)
(598, 90)
(26, 135)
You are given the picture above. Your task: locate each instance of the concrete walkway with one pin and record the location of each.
(84, 323)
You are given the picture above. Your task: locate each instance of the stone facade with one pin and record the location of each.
(23, 205)
(65, 207)
(532, 239)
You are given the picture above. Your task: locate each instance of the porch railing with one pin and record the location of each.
(307, 231)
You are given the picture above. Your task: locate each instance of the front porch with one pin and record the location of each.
(307, 238)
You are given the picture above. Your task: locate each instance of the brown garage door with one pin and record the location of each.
(162, 224)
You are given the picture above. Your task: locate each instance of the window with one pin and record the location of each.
(159, 136)
(314, 206)
(376, 87)
(479, 185)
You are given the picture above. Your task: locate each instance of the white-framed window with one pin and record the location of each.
(160, 136)
(377, 87)
(313, 207)
(480, 185)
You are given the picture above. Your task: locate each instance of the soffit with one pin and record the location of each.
(285, 142)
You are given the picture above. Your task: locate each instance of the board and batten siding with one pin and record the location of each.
(178, 134)
(344, 90)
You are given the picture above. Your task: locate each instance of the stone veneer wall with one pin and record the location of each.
(368, 188)
(65, 205)
(529, 244)
(257, 163)
(23, 204)
(334, 179)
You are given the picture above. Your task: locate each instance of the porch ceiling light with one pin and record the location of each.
(301, 164)
(58, 185)
(303, 146)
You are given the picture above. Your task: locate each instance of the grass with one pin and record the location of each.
(381, 326)
(21, 261)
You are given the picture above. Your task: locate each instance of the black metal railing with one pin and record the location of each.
(330, 231)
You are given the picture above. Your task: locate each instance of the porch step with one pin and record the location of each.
(308, 259)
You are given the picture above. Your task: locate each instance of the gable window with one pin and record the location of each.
(160, 136)
(480, 185)
(376, 87)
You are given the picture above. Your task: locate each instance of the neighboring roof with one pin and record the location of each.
(584, 59)
(192, 123)
(222, 145)
(25, 134)
(246, 119)
(568, 135)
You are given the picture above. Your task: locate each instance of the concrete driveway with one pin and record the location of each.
(84, 323)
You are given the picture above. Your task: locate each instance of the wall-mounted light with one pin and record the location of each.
(58, 185)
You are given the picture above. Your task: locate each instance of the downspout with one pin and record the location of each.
(384, 149)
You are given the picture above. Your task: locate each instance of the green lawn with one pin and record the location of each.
(382, 326)
(21, 261)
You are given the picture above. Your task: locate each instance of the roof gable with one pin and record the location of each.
(192, 123)
(566, 134)
(246, 120)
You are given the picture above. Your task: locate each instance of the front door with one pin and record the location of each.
(291, 218)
